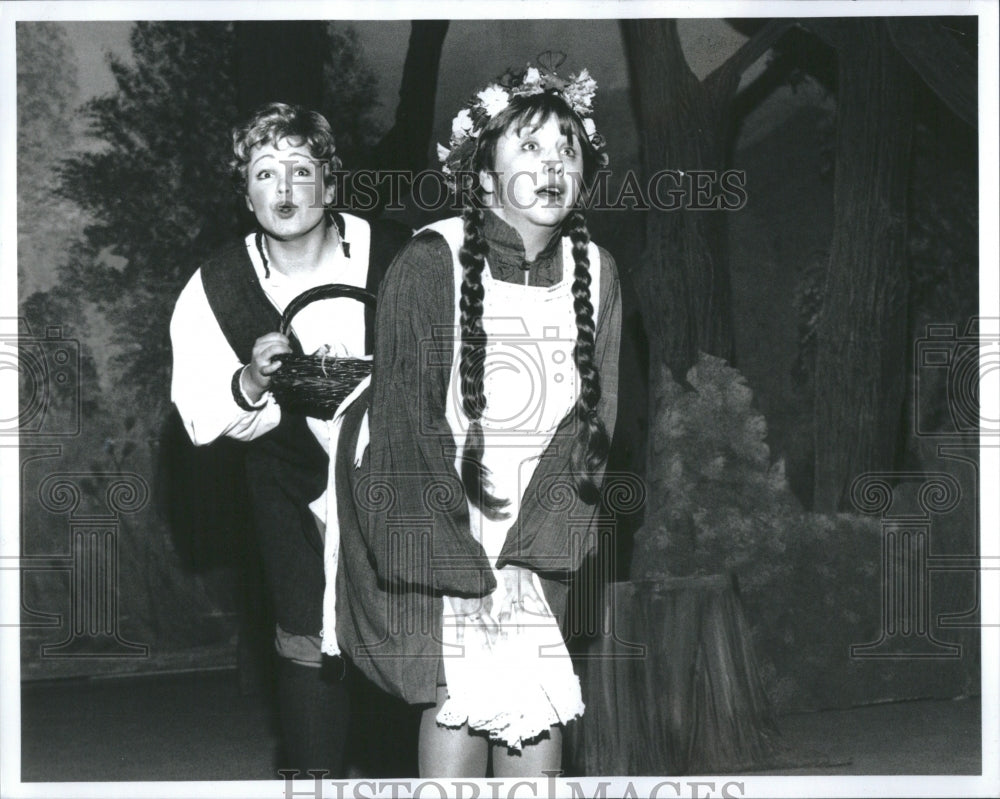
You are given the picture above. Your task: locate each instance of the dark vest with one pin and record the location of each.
(286, 467)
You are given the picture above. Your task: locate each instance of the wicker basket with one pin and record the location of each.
(315, 385)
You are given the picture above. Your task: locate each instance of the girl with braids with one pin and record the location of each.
(494, 396)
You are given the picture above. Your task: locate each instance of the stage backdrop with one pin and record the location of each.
(135, 552)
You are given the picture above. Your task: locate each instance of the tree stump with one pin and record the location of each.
(671, 684)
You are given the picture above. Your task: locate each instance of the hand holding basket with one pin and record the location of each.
(315, 385)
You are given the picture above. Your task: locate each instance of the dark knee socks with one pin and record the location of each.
(314, 709)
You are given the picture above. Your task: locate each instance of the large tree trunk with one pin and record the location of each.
(675, 689)
(683, 274)
(944, 65)
(406, 144)
(861, 337)
(703, 707)
(685, 298)
(683, 125)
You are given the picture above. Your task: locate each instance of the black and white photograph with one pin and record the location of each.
(499, 400)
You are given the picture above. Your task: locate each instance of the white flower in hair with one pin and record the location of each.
(532, 80)
(579, 93)
(461, 125)
(494, 99)
(442, 152)
(589, 127)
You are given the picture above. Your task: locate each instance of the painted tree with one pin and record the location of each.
(686, 124)
(405, 145)
(706, 709)
(120, 191)
(158, 191)
(711, 487)
(863, 334)
(328, 73)
(48, 225)
(46, 97)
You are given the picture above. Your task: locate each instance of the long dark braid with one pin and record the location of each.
(472, 257)
(590, 450)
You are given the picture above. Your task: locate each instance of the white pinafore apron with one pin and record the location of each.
(522, 683)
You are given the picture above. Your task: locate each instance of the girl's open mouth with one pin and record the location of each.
(285, 210)
(551, 194)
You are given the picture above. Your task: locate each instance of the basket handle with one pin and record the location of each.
(327, 291)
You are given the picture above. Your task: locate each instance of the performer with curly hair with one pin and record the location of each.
(225, 336)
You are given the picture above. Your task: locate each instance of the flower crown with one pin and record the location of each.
(578, 92)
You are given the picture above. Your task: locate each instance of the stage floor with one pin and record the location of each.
(199, 726)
